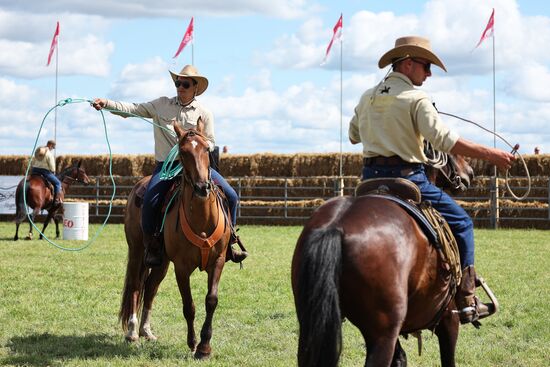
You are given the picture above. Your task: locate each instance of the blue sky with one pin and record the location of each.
(268, 92)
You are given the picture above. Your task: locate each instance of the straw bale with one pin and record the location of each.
(13, 165)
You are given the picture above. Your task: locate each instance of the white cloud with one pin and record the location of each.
(165, 8)
(143, 82)
(257, 110)
(24, 48)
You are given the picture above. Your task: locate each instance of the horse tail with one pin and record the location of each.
(318, 302)
(20, 209)
(134, 284)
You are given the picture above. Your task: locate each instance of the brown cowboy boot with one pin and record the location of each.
(154, 249)
(235, 255)
(470, 308)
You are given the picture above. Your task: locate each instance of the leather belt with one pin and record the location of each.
(394, 160)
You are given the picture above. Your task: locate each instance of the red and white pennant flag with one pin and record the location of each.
(54, 44)
(489, 30)
(187, 37)
(337, 33)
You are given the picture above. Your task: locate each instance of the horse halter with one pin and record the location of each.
(198, 189)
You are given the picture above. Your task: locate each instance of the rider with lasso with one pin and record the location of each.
(392, 121)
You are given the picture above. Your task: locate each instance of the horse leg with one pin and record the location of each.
(399, 356)
(380, 350)
(46, 222)
(35, 212)
(152, 283)
(16, 237)
(211, 302)
(56, 221)
(447, 334)
(184, 286)
(134, 282)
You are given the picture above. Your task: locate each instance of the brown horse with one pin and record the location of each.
(40, 197)
(455, 176)
(366, 259)
(196, 211)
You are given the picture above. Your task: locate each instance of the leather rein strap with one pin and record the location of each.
(202, 242)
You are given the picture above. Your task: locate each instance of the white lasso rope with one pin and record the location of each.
(514, 152)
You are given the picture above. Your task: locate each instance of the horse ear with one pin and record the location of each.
(79, 163)
(179, 131)
(200, 125)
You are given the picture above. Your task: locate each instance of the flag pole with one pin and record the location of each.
(55, 102)
(341, 129)
(495, 172)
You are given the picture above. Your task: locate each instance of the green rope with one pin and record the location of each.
(168, 172)
(61, 104)
(167, 209)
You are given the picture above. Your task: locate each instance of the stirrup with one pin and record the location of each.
(493, 306)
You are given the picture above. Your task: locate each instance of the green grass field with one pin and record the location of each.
(59, 308)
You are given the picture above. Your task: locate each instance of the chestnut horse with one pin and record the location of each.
(40, 197)
(196, 210)
(366, 259)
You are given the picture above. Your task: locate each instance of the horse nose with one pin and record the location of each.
(202, 188)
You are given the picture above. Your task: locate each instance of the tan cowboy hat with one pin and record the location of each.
(189, 71)
(410, 46)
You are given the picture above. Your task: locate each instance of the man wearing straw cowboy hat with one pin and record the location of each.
(185, 110)
(44, 164)
(392, 120)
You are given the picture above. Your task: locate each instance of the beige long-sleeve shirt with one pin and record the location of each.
(395, 119)
(164, 111)
(47, 162)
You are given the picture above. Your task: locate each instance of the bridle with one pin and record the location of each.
(209, 185)
(65, 176)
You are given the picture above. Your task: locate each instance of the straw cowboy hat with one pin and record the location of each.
(410, 46)
(189, 71)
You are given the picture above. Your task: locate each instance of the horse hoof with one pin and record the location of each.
(131, 338)
(201, 355)
(150, 337)
(15, 238)
(147, 334)
(28, 238)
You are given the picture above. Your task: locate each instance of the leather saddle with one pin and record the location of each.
(404, 193)
(140, 193)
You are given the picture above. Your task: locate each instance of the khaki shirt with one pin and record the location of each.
(47, 162)
(163, 111)
(396, 118)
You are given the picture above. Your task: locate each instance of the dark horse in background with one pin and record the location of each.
(366, 259)
(196, 235)
(39, 196)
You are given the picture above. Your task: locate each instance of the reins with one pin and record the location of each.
(514, 152)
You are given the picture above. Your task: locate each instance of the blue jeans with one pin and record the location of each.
(49, 176)
(459, 221)
(151, 219)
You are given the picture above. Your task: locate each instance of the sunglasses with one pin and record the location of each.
(185, 84)
(427, 65)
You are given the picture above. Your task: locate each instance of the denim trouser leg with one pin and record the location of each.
(50, 177)
(152, 201)
(229, 192)
(459, 221)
